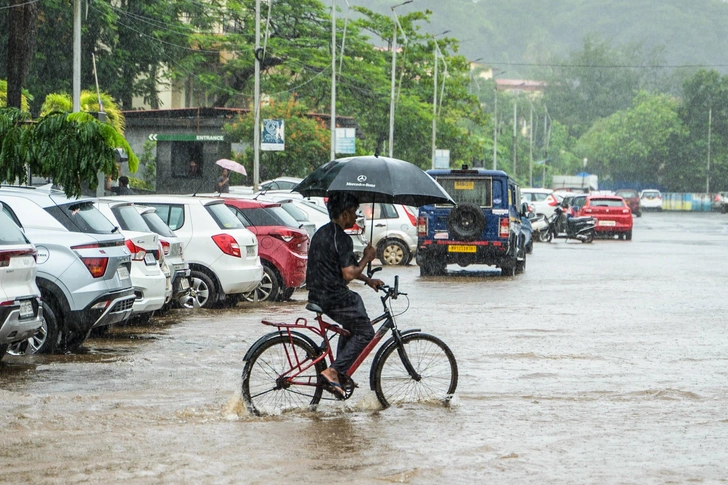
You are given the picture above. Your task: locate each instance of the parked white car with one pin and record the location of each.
(394, 232)
(651, 200)
(20, 306)
(221, 252)
(147, 277)
(172, 250)
(543, 201)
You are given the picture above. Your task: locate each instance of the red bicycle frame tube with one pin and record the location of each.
(370, 346)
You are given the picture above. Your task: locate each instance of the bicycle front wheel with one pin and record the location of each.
(432, 360)
(281, 376)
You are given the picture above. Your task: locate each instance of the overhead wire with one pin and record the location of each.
(19, 5)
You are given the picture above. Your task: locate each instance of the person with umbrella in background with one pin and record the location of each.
(223, 182)
(331, 266)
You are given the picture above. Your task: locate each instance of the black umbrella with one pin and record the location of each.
(374, 179)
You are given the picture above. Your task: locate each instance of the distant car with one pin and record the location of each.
(392, 229)
(632, 197)
(612, 213)
(280, 183)
(221, 252)
(282, 246)
(651, 200)
(543, 201)
(83, 266)
(21, 311)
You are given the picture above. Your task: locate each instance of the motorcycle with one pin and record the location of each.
(539, 224)
(580, 228)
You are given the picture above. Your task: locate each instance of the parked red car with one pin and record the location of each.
(612, 213)
(632, 198)
(282, 246)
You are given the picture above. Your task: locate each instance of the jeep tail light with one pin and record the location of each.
(422, 226)
(504, 228)
(412, 217)
(5, 256)
(165, 247)
(552, 201)
(96, 266)
(227, 244)
(137, 253)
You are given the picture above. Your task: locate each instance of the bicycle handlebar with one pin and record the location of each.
(391, 291)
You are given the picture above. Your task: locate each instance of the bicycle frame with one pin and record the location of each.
(297, 367)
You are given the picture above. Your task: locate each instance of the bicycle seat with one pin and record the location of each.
(314, 307)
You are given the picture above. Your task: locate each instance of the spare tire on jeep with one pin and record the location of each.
(466, 222)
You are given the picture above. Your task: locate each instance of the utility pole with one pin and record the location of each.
(333, 79)
(256, 109)
(710, 123)
(515, 133)
(394, 78)
(76, 56)
(495, 127)
(530, 148)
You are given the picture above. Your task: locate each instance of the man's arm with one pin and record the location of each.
(356, 272)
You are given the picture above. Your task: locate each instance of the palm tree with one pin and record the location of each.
(89, 103)
(4, 96)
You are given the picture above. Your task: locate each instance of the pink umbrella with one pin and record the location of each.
(231, 165)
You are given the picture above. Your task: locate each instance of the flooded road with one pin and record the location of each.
(603, 363)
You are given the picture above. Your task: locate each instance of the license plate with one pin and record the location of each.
(459, 248)
(184, 283)
(122, 272)
(149, 259)
(26, 309)
(464, 185)
(607, 223)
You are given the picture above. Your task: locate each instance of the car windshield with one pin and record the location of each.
(129, 218)
(294, 211)
(156, 224)
(224, 217)
(627, 194)
(478, 191)
(269, 216)
(9, 232)
(82, 217)
(606, 203)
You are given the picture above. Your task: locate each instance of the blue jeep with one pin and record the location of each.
(483, 228)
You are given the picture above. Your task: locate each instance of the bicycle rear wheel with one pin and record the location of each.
(280, 377)
(431, 359)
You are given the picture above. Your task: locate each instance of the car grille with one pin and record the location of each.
(122, 306)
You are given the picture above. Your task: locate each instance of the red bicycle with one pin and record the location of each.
(282, 369)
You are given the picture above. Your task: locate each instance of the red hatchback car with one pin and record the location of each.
(612, 213)
(282, 246)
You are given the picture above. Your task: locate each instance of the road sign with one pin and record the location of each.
(442, 158)
(273, 136)
(345, 140)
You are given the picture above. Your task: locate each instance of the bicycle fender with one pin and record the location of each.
(271, 335)
(381, 351)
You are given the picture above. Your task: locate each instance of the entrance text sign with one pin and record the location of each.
(184, 137)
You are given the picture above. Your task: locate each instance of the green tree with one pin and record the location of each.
(307, 141)
(71, 149)
(89, 103)
(636, 144)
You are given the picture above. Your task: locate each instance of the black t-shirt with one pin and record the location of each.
(331, 249)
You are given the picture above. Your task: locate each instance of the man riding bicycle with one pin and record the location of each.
(332, 264)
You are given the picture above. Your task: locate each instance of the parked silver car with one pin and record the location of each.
(83, 265)
(20, 307)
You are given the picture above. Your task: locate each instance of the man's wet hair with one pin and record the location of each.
(339, 202)
(124, 180)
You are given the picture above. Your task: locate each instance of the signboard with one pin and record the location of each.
(272, 136)
(184, 137)
(442, 158)
(345, 140)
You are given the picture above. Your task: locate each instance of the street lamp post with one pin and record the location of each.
(394, 72)
(495, 122)
(434, 98)
(333, 79)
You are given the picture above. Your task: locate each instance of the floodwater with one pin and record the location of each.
(603, 363)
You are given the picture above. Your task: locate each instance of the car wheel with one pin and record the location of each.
(508, 269)
(638, 213)
(393, 252)
(521, 265)
(286, 293)
(268, 288)
(73, 340)
(45, 339)
(3, 349)
(202, 293)
(628, 235)
(724, 209)
(432, 267)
